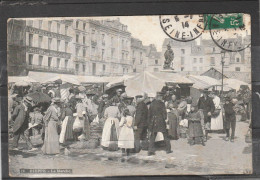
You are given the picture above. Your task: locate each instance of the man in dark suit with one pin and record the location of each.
(157, 116)
(230, 118)
(21, 121)
(141, 122)
(206, 104)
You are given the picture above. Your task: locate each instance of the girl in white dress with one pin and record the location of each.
(126, 136)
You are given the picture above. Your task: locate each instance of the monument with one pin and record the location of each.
(169, 56)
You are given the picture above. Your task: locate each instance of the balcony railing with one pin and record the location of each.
(51, 69)
(47, 52)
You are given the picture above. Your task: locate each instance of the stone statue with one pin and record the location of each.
(169, 56)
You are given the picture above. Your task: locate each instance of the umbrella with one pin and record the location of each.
(39, 97)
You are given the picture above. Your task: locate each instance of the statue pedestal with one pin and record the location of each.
(168, 71)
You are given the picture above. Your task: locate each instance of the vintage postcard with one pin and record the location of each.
(129, 95)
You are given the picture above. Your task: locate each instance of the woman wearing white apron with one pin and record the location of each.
(217, 117)
(112, 114)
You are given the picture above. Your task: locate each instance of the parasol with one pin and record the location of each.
(39, 97)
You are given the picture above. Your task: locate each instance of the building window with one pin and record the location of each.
(66, 30)
(77, 24)
(103, 54)
(213, 49)
(237, 69)
(77, 51)
(66, 63)
(66, 46)
(104, 68)
(182, 51)
(212, 60)
(49, 43)
(30, 59)
(30, 40)
(112, 53)
(77, 67)
(83, 67)
(84, 26)
(237, 60)
(58, 28)
(93, 50)
(182, 68)
(194, 60)
(49, 61)
(123, 56)
(58, 63)
(40, 42)
(141, 56)
(77, 38)
(103, 39)
(201, 60)
(49, 25)
(58, 45)
(123, 43)
(112, 41)
(84, 52)
(40, 24)
(194, 68)
(126, 56)
(40, 60)
(84, 40)
(156, 61)
(182, 60)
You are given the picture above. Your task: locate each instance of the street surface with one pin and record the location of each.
(217, 157)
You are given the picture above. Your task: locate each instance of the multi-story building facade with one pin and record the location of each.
(154, 60)
(138, 55)
(46, 46)
(101, 47)
(195, 58)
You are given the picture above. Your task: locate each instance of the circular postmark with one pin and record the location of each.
(182, 27)
(230, 32)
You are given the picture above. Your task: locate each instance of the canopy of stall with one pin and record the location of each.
(235, 83)
(150, 83)
(16, 79)
(202, 82)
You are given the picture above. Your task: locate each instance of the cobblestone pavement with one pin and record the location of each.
(217, 157)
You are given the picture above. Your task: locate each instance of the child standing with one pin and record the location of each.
(195, 125)
(126, 136)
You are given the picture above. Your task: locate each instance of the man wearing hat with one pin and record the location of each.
(230, 118)
(117, 97)
(141, 122)
(102, 105)
(20, 117)
(207, 105)
(157, 116)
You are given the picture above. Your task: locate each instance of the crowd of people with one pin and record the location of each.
(131, 124)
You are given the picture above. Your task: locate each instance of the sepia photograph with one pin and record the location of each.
(130, 95)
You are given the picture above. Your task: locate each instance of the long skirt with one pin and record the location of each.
(51, 139)
(172, 131)
(217, 122)
(126, 138)
(195, 129)
(66, 129)
(107, 131)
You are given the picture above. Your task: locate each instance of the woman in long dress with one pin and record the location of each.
(173, 121)
(126, 136)
(67, 124)
(111, 114)
(217, 117)
(51, 118)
